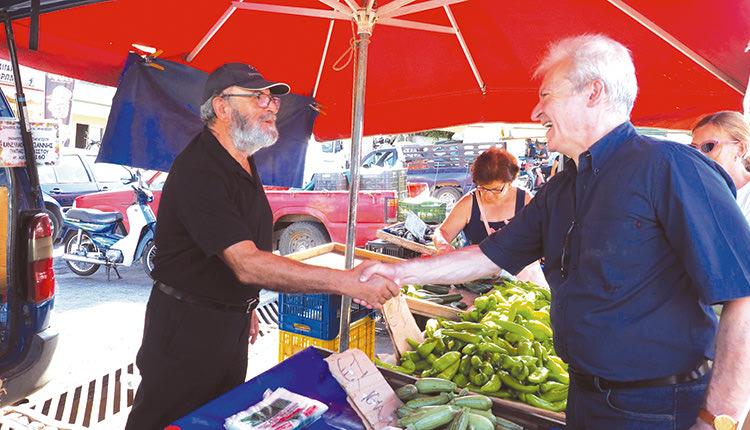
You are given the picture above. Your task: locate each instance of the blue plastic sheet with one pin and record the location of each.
(304, 373)
(155, 114)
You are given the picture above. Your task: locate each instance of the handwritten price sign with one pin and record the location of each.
(366, 387)
(45, 137)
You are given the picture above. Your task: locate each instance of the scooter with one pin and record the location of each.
(99, 238)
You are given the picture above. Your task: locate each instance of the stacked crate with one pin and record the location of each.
(393, 179)
(330, 181)
(314, 320)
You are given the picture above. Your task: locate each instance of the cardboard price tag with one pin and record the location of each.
(368, 391)
(45, 137)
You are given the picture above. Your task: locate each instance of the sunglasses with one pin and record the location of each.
(492, 190)
(263, 99)
(709, 145)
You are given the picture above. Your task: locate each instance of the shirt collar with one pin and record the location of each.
(603, 149)
(226, 159)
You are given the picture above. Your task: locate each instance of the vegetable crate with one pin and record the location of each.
(387, 248)
(394, 179)
(361, 336)
(315, 315)
(432, 212)
(330, 181)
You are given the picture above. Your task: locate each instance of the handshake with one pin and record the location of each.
(375, 284)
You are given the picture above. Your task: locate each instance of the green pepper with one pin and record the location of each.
(491, 348)
(525, 347)
(431, 358)
(520, 372)
(451, 344)
(555, 395)
(478, 378)
(487, 369)
(543, 404)
(422, 365)
(492, 385)
(413, 343)
(461, 380)
(410, 355)
(539, 375)
(540, 352)
(465, 366)
(450, 372)
(469, 349)
(513, 337)
(510, 362)
(400, 369)
(512, 327)
(553, 385)
(425, 348)
(556, 371)
(463, 336)
(430, 326)
(496, 359)
(502, 343)
(476, 362)
(481, 302)
(559, 361)
(538, 329)
(513, 383)
(463, 325)
(446, 360)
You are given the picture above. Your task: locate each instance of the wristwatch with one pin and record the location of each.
(720, 422)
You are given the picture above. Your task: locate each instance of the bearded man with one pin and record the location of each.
(214, 242)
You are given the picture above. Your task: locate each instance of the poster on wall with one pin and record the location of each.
(58, 101)
(46, 138)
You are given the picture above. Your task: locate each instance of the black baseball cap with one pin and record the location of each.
(240, 75)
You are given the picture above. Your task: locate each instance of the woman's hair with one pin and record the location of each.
(494, 164)
(734, 124)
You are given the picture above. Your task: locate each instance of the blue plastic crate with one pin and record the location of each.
(315, 315)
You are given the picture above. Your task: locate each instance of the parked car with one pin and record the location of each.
(27, 287)
(77, 173)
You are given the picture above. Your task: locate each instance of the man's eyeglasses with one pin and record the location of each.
(263, 99)
(709, 145)
(492, 190)
(565, 256)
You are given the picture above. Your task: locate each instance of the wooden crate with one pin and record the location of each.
(408, 244)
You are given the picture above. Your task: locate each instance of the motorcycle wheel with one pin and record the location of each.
(86, 245)
(148, 257)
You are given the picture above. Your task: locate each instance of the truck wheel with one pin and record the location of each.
(302, 235)
(86, 246)
(449, 195)
(148, 257)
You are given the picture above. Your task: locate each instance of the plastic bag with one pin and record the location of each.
(279, 410)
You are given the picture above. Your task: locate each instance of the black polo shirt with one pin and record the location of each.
(209, 202)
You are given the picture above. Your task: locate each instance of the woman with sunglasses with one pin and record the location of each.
(489, 206)
(725, 138)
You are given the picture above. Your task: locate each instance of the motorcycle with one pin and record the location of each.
(99, 238)
(531, 177)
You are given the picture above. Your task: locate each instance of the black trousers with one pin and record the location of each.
(189, 356)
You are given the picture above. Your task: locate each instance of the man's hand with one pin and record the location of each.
(375, 290)
(254, 327)
(367, 271)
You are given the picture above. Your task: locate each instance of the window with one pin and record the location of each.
(71, 169)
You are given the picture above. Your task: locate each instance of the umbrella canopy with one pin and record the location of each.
(690, 55)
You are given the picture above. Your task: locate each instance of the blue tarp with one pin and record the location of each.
(304, 373)
(155, 114)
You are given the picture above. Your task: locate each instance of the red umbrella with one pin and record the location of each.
(689, 54)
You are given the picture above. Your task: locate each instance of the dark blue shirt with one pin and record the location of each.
(654, 237)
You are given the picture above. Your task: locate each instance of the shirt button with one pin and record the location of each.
(596, 171)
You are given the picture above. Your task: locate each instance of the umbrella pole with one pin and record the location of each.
(358, 108)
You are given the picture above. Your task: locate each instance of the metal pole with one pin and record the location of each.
(23, 114)
(358, 109)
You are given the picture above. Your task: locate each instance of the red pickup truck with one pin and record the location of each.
(301, 219)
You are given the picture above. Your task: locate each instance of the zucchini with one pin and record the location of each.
(460, 421)
(435, 385)
(440, 399)
(475, 401)
(407, 392)
(479, 422)
(437, 289)
(435, 418)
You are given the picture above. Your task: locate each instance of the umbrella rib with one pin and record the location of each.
(323, 59)
(334, 4)
(318, 13)
(390, 7)
(465, 48)
(230, 10)
(664, 35)
(432, 4)
(393, 22)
